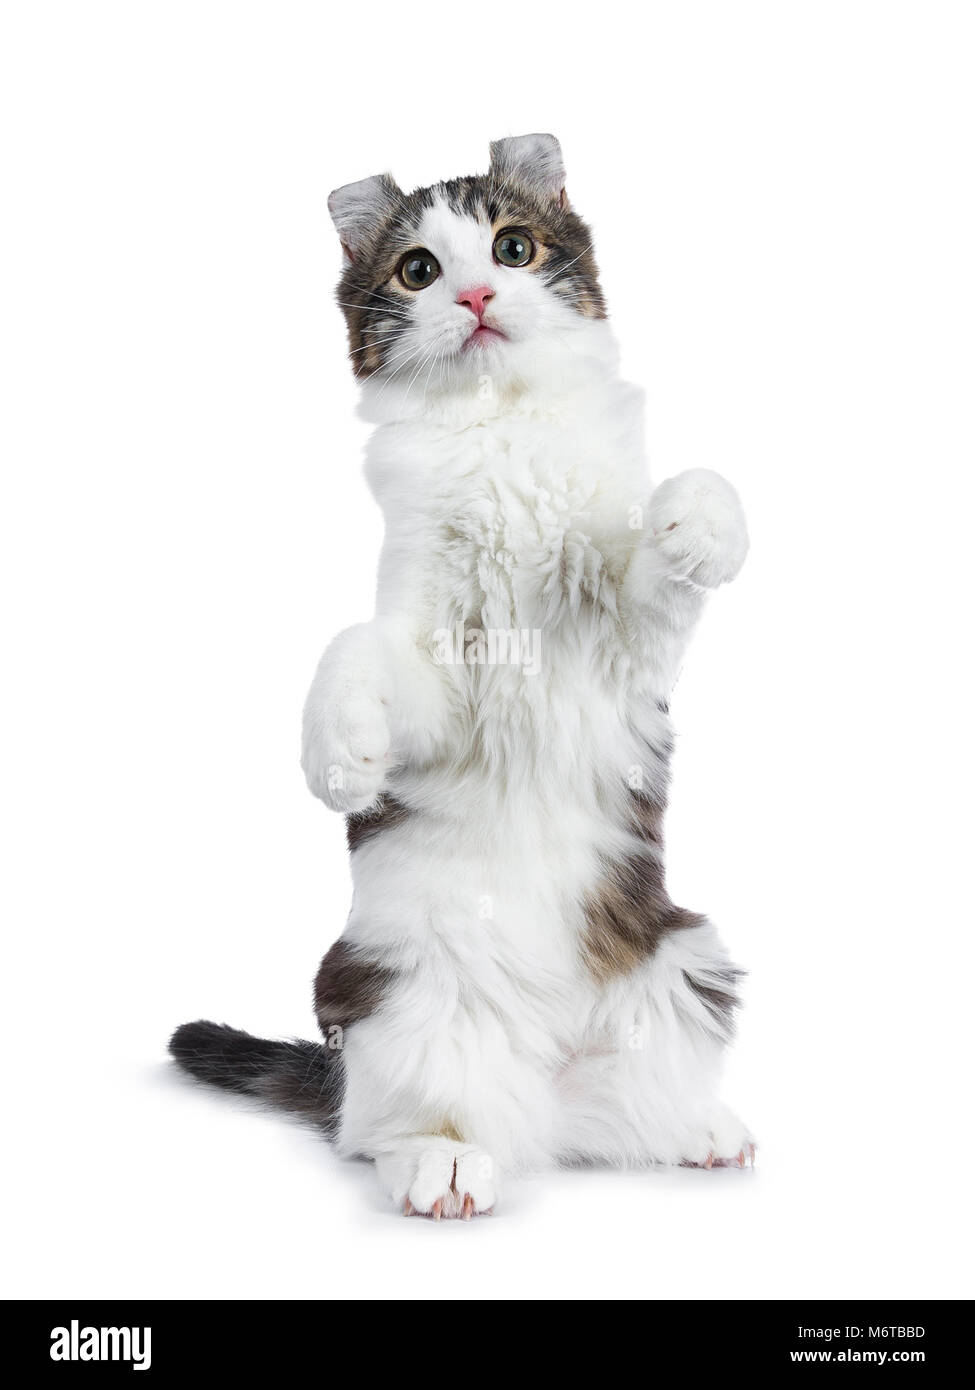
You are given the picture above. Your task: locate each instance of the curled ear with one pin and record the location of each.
(535, 160)
(358, 208)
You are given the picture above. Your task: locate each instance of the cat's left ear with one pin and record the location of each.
(535, 160)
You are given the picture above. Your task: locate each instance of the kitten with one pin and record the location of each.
(514, 987)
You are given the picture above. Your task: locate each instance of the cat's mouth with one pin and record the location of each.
(483, 335)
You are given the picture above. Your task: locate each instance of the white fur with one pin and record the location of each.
(515, 495)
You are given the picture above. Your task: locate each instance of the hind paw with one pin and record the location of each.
(744, 1158)
(727, 1144)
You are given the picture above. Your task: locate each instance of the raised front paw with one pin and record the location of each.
(699, 526)
(345, 752)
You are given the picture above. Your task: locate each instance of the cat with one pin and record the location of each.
(514, 988)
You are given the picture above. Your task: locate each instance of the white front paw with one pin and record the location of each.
(433, 1176)
(698, 524)
(345, 751)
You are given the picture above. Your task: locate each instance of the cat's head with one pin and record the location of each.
(472, 278)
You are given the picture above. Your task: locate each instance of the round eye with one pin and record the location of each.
(513, 248)
(419, 269)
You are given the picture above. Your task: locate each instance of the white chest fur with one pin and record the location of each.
(507, 543)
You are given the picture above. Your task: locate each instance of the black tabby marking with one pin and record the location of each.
(631, 912)
(349, 987)
(364, 825)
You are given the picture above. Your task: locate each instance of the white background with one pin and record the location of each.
(782, 200)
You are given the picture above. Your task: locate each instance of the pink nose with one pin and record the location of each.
(476, 299)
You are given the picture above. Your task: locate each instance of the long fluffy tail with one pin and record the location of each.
(303, 1077)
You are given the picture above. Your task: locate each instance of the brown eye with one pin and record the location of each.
(418, 269)
(513, 247)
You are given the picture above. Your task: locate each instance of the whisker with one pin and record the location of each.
(438, 358)
(420, 365)
(570, 296)
(380, 337)
(563, 268)
(398, 358)
(388, 307)
(374, 342)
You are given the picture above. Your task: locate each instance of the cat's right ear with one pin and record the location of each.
(358, 208)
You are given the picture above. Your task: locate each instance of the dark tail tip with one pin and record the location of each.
(223, 1056)
(299, 1076)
